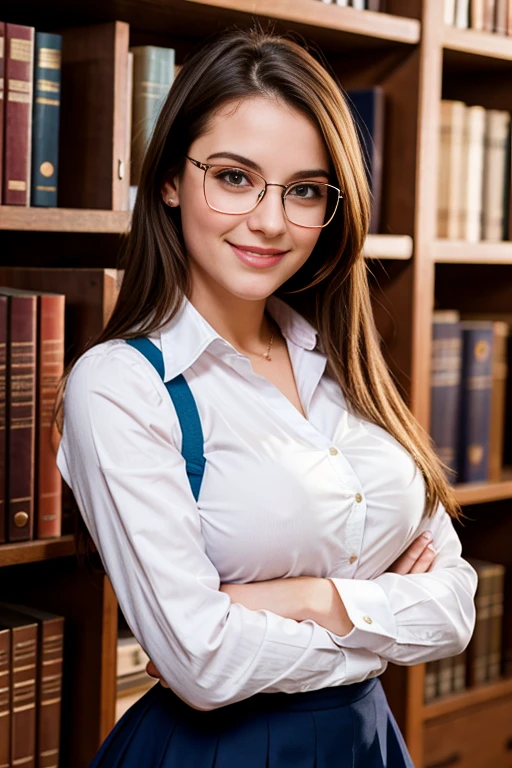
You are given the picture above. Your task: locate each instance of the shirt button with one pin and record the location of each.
(368, 619)
(333, 451)
(359, 498)
(353, 558)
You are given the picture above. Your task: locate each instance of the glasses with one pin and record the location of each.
(235, 191)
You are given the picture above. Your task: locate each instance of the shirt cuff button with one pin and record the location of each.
(367, 619)
(359, 498)
(352, 559)
(333, 451)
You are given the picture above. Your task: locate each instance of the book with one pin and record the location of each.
(475, 401)
(472, 174)
(479, 645)
(20, 414)
(2, 92)
(498, 399)
(461, 14)
(153, 75)
(496, 175)
(49, 666)
(476, 11)
(449, 12)
(4, 325)
(5, 696)
(489, 15)
(367, 106)
(500, 17)
(495, 622)
(19, 63)
(45, 119)
(450, 168)
(430, 685)
(22, 705)
(445, 386)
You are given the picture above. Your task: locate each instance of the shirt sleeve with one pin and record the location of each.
(119, 455)
(413, 618)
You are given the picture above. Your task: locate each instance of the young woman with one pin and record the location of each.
(268, 549)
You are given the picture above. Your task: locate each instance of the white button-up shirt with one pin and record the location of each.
(328, 496)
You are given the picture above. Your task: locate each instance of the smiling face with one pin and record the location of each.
(283, 145)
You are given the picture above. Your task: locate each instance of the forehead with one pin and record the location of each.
(268, 131)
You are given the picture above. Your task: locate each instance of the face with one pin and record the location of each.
(281, 144)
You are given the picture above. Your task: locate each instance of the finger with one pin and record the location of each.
(407, 560)
(425, 560)
(151, 670)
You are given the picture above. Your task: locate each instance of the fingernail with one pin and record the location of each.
(432, 548)
(428, 536)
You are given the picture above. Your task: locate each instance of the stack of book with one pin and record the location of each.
(29, 124)
(31, 666)
(483, 15)
(474, 173)
(484, 660)
(132, 679)
(469, 395)
(46, 315)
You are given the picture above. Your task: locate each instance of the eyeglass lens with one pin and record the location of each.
(232, 190)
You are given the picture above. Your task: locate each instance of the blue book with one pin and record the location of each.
(475, 403)
(367, 108)
(45, 119)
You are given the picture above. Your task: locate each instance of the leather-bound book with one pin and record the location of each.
(3, 425)
(49, 681)
(445, 386)
(23, 662)
(2, 92)
(475, 408)
(500, 21)
(367, 108)
(450, 169)
(19, 65)
(5, 696)
(479, 646)
(496, 623)
(470, 224)
(489, 15)
(21, 401)
(496, 175)
(45, 126)
(499, 388)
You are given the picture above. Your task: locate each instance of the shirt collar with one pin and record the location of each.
(186, 336)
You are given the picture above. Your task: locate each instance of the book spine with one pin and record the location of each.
(21, 417)
(489, 15)
(450, 168)
(2, 110)
(5, 697)
(445, 390)
(45, 128)
(445, 685)
(475, 409)
(500, 21)
(478, 649)
(3, 421)
(462, 14)
(509, 17)
(19, 62)
(470, 227)
(431, 681)
(50, 368)
(496, 175)
(459, 672)
(477, 14)
(23, 706)
(495, 623)
(507, 622)
(50, 692)
(449, 12)
(498, 400)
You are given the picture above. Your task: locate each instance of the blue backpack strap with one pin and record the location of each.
(192, 446)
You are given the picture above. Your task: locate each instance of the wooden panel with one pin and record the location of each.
(39, 549)
(461, 252)
(478, 738)
(94, 77)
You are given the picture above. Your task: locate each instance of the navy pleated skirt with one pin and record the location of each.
(348, 726)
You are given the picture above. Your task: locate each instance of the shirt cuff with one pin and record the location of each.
(370, 612)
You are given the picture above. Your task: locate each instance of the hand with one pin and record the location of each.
(152, 671)
(417, 558)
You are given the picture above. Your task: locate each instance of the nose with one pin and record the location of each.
(268, 217)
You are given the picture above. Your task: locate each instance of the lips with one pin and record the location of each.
(257, 251)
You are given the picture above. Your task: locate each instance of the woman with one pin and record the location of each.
(273, 573)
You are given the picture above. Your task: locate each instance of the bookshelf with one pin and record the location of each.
(418, 61)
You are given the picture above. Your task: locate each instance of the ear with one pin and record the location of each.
(170, 192)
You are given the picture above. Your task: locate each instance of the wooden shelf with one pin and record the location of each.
(17, 217)
(472, 696)
(462, 252)
(474, 43)
(479, 493)
(373, 26)
(34, 551)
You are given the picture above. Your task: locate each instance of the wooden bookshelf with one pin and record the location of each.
(417, 60)
(37, 550)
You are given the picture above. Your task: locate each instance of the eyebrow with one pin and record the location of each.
(306, 174)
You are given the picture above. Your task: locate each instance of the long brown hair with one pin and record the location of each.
(332, 286)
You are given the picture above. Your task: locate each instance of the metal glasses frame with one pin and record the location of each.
(206, 167)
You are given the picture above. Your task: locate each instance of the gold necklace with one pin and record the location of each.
(266, 354)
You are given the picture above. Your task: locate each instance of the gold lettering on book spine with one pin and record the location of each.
(49, 58)
(20, 50)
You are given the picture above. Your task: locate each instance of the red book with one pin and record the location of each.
(2, 76)
(21, 401)
(50, 367)
(19, 65)
(3, 433)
